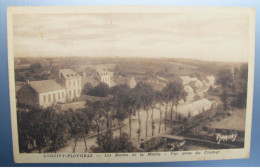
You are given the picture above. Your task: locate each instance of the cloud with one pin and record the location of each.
(207, 37)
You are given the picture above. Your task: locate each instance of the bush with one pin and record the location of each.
(109, 144)
(101, 90)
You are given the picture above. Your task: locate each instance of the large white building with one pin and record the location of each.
(72, 82)
(46, 93)
(105, 76)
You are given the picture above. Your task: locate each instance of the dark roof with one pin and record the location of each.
(45, 86)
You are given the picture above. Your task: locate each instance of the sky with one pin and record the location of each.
(212, 37)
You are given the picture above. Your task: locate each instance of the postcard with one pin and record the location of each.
(114, 84)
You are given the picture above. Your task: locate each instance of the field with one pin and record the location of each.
(234, 122)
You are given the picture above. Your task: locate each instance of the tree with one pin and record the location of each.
(110, 108)
(160, 103)
(142, 93)
(224, 99)
(109, 144)
(225, 77)
(98, 108)
(101, 90)
(123, 100)
(179, 95)
(130, 104)
(120, 115)
(166, 98)
(42, 126)
(35, 67)
(105, 142)
(31, 129)
(241, 85)
(86, 122)
(87, 87)
(154, 99)
(39, 132)
(76, 126)
(148, 103)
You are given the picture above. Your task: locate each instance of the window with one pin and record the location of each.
(44, 98)
(54, 97)
(78, 82)
(70, 83)
(75, 92)
(70, 93)
(49, 97)
(63, 94)
(78, 91)
(74, 83)
(59, 96)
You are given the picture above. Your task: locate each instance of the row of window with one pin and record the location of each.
(74, 83)
(75, 91)
(106, 80)
(52, 97)
(56, 96)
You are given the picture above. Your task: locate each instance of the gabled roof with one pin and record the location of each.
(69, 74)
(45, 86)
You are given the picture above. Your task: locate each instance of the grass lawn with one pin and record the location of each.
(235, 122)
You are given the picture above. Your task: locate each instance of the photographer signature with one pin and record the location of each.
(224, 138)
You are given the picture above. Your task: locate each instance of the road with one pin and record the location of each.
(80, 147)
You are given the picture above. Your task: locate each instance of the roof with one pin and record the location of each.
(69, 74)
(195, 107)
(18, 85)
(103, 71)
(45, 86)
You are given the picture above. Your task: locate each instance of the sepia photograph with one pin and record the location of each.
(130, 84)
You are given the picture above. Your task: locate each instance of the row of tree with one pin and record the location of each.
(52, 128)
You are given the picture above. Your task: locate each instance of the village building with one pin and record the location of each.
(105, 76)
(41, 93)
(191, 81)
(196, 107)
(72, 82)
(46, 93)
